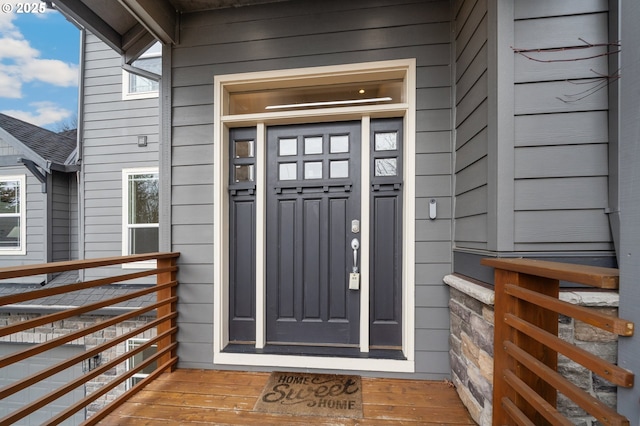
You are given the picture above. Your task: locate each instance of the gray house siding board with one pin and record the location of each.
(472, 151)
(546, 8)
(566, 226)
(433, 142)
(566, 128)
(561, 31)
(192, 125)
(543, 98)
(529, 70)
(561, 193)
(472, 177)
(472, 202)
(561, 161)
(433, 76)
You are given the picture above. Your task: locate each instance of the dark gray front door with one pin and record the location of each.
(313, 197)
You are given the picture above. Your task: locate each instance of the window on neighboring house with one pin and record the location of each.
(140, 211)
(138, 358)
(12, 215)
(138, 87)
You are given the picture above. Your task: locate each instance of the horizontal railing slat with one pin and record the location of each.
(594, 276)
(590, 404)
(71, 265)
(618, 326)
(536, 401)
(55, 291)
(606, 370)
(514, 412)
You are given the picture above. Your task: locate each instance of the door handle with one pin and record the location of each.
(355, 245)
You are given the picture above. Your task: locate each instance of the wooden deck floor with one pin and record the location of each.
(227, 398)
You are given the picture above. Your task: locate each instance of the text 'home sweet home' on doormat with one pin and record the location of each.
(303, 394)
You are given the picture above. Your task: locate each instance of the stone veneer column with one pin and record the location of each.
(471, 307)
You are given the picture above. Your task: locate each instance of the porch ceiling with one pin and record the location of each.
(131, 26)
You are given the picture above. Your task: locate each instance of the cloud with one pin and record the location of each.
(45, 113)
(21, 63)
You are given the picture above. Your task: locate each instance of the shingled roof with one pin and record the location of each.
(50, 146)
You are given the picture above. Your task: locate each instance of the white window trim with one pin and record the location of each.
(146, 264)
(129, 343)
(222, 124)
(22, 249)
(126, 94)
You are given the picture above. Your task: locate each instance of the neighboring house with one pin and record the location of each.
(39, 197)
(300, 142)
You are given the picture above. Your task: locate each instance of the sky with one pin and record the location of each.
(39, 54)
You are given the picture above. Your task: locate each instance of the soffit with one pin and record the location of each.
(131, 26)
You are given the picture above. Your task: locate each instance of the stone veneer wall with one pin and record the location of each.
(471, 354)
(59, 328)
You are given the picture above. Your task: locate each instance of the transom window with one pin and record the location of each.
(12, 215)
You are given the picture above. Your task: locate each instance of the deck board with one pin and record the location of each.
(227, 398)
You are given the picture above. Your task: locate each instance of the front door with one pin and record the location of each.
(312, 219)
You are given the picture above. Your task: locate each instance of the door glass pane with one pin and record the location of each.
(244, 149)
(313, 145)
(339, 169)
(244, 173)
(339, 144)
(386, 141)
(313, 170)
(287, 147)
(386, 167)
(287, 171)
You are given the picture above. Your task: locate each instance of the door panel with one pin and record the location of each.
(313, 194)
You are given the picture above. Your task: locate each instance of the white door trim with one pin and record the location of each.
(222, 124)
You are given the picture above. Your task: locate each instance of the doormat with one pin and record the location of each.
(304, 394)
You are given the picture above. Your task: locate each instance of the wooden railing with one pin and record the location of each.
(165, 357)
(526, 381)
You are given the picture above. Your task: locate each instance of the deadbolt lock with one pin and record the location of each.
(355, 226)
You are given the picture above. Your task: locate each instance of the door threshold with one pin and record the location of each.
(322, 351)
